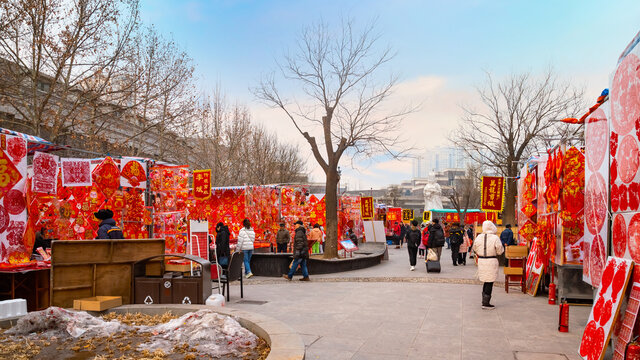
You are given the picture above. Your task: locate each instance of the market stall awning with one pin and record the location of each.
(35, 143)
(454, 210)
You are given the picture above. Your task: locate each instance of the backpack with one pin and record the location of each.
(456, 237)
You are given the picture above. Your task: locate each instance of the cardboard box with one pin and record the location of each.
(97, 303)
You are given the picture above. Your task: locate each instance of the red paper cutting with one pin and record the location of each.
(107, 177)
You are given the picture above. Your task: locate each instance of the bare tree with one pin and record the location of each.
(518, 118)
(342, 109)
(240, 151)
(62, 61)
(464, 193)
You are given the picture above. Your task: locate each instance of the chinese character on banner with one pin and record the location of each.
(202, 184)
(407, 215)
(492, 192)
(366, 207)
(426, 216)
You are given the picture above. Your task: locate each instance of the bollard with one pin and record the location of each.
(563, 318)
(552, 294)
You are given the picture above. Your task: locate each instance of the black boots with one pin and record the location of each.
(485, 302)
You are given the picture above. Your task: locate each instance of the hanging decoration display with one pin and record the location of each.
(107, 177)
(572, 207)
(533, 269)
(604, 312)
(202, 184)
(45, 173)
(492, 193)
(76, 172)
(598, 146)
(133, 173)
(13, 214)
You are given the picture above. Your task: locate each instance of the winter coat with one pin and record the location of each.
(283, 236)
(397, 230)
(506, 237)
(300, 244)
(108, 230)
(456, 236)
(414, 238)
(488, 267)
(466, 242)
(436, 236)
(222, 242)
(246, 237)
(315, 234)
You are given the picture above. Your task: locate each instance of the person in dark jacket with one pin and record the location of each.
(456, 236)
(436, 237)
(506, 238)
(403, 233)
(107, 228)
(222, 244)
(283, 237)
(414, 237)
(353, 237)
(300, 253)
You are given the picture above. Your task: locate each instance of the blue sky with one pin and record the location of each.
(443, 50)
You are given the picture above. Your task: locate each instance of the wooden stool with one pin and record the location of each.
(514, 269)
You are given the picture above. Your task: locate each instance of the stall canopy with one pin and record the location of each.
(35, 143)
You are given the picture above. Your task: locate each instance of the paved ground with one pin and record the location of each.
(389, 312)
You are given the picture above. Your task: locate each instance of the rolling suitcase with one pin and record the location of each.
(433, 266)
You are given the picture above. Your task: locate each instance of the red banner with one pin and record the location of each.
(202, 184)
(492, 193)
(366, 207)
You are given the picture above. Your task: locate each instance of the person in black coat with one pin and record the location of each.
(436, 237)
(456, 237)
(403, 233)
(107, 228)
(300, 253)
(223, 252)
(414, 237)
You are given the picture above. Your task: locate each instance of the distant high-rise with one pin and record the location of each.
(438, 159)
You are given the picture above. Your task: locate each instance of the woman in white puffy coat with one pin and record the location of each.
(487, 247)
(246, 237)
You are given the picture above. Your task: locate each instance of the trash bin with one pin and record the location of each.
(152, 284)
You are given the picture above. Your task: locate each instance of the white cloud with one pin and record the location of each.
(438, 115)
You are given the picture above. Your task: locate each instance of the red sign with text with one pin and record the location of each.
(366, 208)
(492, 193)
(202, 184)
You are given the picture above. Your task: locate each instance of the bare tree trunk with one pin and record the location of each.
(509, 216)
(331, 202)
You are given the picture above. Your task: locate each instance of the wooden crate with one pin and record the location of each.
(89, 268)
(97, 303)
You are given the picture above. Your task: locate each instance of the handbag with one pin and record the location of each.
(431, 255)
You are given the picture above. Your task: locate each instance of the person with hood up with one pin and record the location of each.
(456, 237)
(300, 253)
(222, 244)
(282, 238)
(246, 237)
(107, 228)
(414, 238)
(436, 237)
(487, 247)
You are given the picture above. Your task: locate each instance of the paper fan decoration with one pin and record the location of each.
(134, 173)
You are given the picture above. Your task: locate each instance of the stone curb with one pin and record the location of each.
(285, 343)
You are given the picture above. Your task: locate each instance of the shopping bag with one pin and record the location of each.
(431, 255)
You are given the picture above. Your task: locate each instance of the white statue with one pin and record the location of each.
(432, 194)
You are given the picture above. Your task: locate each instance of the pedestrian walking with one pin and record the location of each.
(487, 247)
(436, 238)
(300, 253)
(422, 248)
(414, 238)
(403, 233)
(506, 238)
(471, 237)
(246, 237)
(456, 236)
(283, 237)
(222, 244)
(464, 248)
(446, 234)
